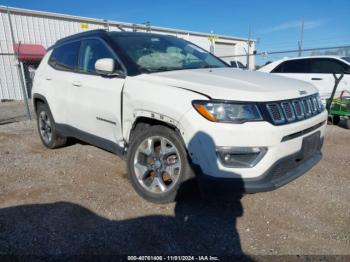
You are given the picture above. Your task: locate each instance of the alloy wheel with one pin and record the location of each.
(157, 164)
(45, 127)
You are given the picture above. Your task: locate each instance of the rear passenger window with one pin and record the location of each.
(293, 66)
(65, 57)
(90, 51)
(326, 66)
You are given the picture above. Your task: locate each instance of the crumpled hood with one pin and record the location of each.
(234, 84)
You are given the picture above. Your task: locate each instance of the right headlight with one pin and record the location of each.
(231, 112)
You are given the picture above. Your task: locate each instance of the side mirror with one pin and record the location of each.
(108, 67)
(105, 66)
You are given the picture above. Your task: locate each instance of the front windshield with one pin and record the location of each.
(165, 53)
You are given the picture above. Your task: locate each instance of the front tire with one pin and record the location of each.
(158, 164)
(47, 129)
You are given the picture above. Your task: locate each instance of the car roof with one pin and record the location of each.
(102, 32)
(272, 65)
(309, 57)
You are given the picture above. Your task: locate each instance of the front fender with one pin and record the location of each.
(152, 100)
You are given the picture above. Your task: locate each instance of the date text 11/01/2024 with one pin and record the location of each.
(173, 258)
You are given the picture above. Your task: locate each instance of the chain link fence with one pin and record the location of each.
(265, 57)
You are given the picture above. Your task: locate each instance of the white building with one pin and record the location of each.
(43, 28)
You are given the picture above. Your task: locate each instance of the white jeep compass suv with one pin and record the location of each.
(177, 112)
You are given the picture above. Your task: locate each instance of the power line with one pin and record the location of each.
(343, 41)
(291, 51)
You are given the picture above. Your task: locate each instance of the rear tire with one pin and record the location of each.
(47, 129)
(158, 164)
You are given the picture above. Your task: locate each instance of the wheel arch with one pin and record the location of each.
(152, 119)
(149, 121)
(37, 98)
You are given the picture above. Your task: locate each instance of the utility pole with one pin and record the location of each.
(248, 48)
(301, 42)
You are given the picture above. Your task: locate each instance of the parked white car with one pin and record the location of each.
(317, 70)
(238, 64)
(177, 112)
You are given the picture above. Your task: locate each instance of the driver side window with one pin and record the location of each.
(90, 51)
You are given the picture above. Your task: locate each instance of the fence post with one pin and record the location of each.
(19, 71)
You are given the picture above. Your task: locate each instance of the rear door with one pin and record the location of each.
(57, 78)
(317, 71)
(95, 106)
(322, 70)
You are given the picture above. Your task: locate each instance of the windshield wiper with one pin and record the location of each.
(165, 68)
(210, 66)
(162, 69)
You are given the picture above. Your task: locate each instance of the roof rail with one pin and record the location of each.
(78, 35)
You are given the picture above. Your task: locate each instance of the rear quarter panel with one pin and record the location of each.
(51, 84)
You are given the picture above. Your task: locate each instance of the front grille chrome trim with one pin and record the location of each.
(298, 107)
(307, 109)
(288, 111)
(286, 105)
(279, 111)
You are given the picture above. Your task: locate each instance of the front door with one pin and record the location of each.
(96, 109)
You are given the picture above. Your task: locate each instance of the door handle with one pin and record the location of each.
(76, 83)
(48, 78)
(316, 78)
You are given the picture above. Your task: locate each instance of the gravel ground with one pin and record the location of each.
(77, 200)
(14, 111)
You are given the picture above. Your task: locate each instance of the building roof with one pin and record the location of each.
(115, 23)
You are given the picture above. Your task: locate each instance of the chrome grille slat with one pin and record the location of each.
(298, 109)
(283, 112)
(306, 106)
(276, 113)
(314, 101)
(312, 106)
(288, 111)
